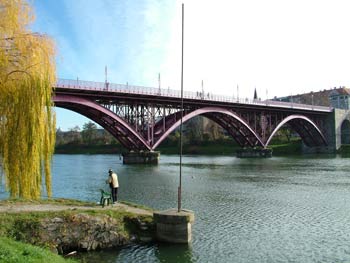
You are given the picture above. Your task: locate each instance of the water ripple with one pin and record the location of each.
(262, 210)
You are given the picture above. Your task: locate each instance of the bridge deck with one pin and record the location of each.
(111, 91)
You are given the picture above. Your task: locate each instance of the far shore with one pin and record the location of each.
(205, 148)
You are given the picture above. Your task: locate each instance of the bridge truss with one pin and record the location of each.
(141, 118)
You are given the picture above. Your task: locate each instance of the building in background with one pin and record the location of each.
(336, 97)
(339, 98)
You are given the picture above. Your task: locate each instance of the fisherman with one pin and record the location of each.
(113, 184)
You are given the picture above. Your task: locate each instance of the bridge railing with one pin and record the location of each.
(132, 89)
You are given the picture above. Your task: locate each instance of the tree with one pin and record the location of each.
(27, 122)
(214, 131)
(89, 133)
(194, 130)
(73, 135)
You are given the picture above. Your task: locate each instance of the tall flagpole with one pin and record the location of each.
(182, 109)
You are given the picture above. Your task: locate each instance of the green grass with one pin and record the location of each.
(344, 149)
(294, 147)
(219, 147)
(229, 148)
(226, 147)
(25, 226)
(136, 205)
(16, 252)
(56, 201)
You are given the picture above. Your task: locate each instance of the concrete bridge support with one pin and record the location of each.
(173, 226)
(340, 116)
(333, 132)
(141, 157)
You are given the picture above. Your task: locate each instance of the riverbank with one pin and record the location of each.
(224, 147)
(63, 226)
(12, 251)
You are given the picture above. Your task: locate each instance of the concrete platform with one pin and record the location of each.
(141, 157)
(173, 226)
(254, 153)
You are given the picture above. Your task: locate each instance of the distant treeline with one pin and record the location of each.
(200, 136)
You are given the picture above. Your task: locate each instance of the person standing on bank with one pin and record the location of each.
(113, 184)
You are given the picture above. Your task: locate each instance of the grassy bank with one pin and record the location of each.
(230, 148)
(206, 148)
(344, 150)
(222, 147)
(293, 147)
(23, 226)
(12, 251)
(20, 230)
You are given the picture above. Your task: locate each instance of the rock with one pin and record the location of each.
(84, 245)
(57, 220)
(82, 232)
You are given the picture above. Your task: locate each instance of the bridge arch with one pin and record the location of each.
(235, 125)
(305, 127)
(117, 126)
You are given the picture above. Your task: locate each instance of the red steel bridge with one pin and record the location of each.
(140, 118)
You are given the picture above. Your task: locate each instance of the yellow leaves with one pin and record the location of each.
(15, 16)
(27, 123)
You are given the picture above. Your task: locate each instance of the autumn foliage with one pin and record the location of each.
(27, 122)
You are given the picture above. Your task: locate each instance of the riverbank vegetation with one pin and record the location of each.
(344, 150)
(27, 123)
(12, 251)
(201, 136)
(52, 225)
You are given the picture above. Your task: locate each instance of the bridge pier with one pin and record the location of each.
(318, 149)
(141, 157)
(254, 153)
(173, 226)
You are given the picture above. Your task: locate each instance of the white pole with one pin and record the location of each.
(182, 108)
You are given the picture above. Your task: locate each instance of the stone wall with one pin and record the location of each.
(85, 232)
(339, 117)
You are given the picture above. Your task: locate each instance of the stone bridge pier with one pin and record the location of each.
(337, 132)
(341, 128)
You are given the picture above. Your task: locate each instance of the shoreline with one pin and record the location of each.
(64, 225)
(205, 148)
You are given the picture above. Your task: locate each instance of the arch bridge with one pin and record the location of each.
(140, 118)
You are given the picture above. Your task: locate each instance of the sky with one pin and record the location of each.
(279, 47)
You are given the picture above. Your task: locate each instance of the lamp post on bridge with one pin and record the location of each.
(202, 90)
(106, 81)
(159, 91)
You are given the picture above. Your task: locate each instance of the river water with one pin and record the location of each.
(281, 209)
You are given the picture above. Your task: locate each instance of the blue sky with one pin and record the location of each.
(279, 47)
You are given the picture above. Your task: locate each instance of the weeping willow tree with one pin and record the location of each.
(27, 122)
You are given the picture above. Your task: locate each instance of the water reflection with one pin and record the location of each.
(170, 253)
(150, 253)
